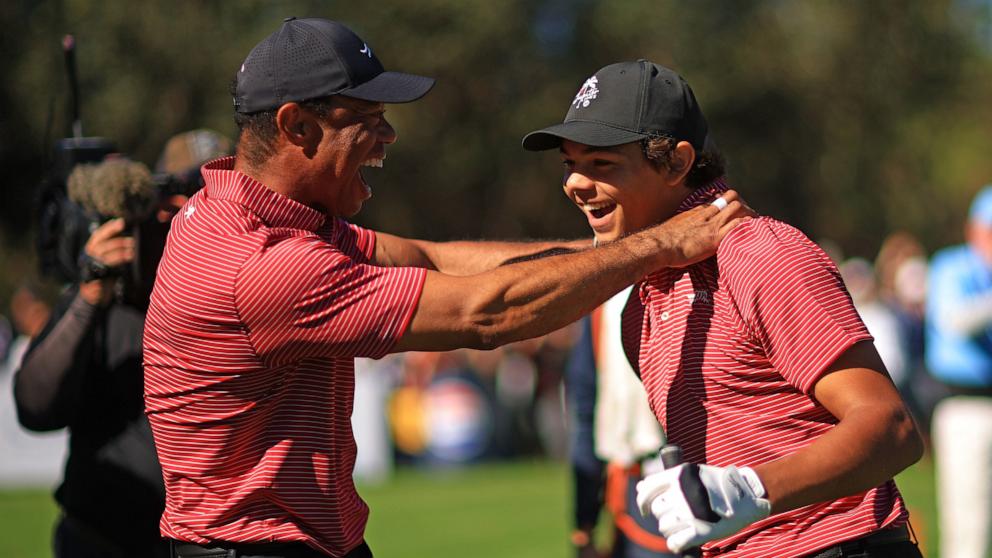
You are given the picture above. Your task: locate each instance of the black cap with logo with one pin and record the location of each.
(312, 58)
(627, 102)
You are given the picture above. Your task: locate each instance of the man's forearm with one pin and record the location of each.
(868, 447)
(528, 299)
(531, 298)
(41, 380)
(473, 257)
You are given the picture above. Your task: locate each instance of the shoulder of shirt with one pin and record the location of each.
(761, 238)
(764, 250)
(220, 216)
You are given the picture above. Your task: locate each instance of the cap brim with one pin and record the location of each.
(391, 87)
(588, 133)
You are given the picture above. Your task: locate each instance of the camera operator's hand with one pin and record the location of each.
(107, 247)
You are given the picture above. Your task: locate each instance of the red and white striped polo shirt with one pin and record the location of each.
(729, 350)
(259, 308)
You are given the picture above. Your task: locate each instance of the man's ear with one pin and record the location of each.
(681, 161)
(296, 125)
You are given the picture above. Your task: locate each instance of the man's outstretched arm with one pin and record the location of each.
(531, 298)
(463, 257)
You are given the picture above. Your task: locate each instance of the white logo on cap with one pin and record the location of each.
(587, 93)
(366, 50)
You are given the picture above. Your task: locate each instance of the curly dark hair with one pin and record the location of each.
(260, 144)
(709, 164)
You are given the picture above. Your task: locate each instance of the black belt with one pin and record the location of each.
(878, 538)
(258, 550)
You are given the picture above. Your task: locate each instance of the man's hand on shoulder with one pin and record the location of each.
(695, 234)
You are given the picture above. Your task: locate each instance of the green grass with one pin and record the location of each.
(26, 521)
(917, 487)
(517, 509)
(511, 509)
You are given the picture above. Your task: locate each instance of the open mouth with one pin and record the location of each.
(599, 210)
(374, 162)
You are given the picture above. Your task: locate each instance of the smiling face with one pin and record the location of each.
(354, 134)
(617, 188)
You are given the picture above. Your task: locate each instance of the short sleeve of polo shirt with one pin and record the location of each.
(354, 241)
(791, 298)
(301, 297)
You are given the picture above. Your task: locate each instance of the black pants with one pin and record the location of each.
(878, 545)
(267, 550)
(73, 539)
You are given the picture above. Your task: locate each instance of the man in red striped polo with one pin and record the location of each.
(265, 295)
(755, 361)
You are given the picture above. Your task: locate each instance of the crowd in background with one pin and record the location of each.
(890, 294)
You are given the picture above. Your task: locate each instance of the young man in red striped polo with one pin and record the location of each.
(265, 295)
(755, 361)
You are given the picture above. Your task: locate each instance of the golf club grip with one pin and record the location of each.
(671, 456)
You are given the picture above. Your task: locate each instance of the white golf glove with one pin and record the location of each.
(695, 504)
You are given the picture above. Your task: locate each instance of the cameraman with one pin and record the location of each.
(84, 372)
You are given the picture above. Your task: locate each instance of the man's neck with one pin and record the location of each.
(272, 176)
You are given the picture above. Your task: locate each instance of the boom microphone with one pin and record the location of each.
(120, 188)
(114, 188)
(69, 52)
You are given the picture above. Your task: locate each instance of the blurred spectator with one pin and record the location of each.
(959, 353)
(458, 411)
(880, 320)
(6, 337)
(29, 312)
(442, 411)
(407, 406)
(184, 153)
(84, 371)
(613, 434)
(516, 396)
(373, 380)
(29, 458)
(549, 398)
(899, 249)
(902, 269)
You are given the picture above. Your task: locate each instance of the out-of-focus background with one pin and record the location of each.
(865, 124)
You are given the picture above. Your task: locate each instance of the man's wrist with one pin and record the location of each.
(91, 269)
(652, 250)
(96, 293)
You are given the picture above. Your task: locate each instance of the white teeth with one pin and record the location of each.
(595, 206)
(373, 163)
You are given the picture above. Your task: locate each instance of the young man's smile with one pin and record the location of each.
(617, 188)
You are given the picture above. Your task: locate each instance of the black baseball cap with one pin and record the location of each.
(312, 58)
(627, 102)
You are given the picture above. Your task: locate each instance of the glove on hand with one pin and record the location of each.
(695, 504)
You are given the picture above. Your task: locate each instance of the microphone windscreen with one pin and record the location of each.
(114, 188)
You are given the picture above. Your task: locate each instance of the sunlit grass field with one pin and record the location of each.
(488, 511)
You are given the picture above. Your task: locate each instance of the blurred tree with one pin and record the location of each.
(849, 119)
